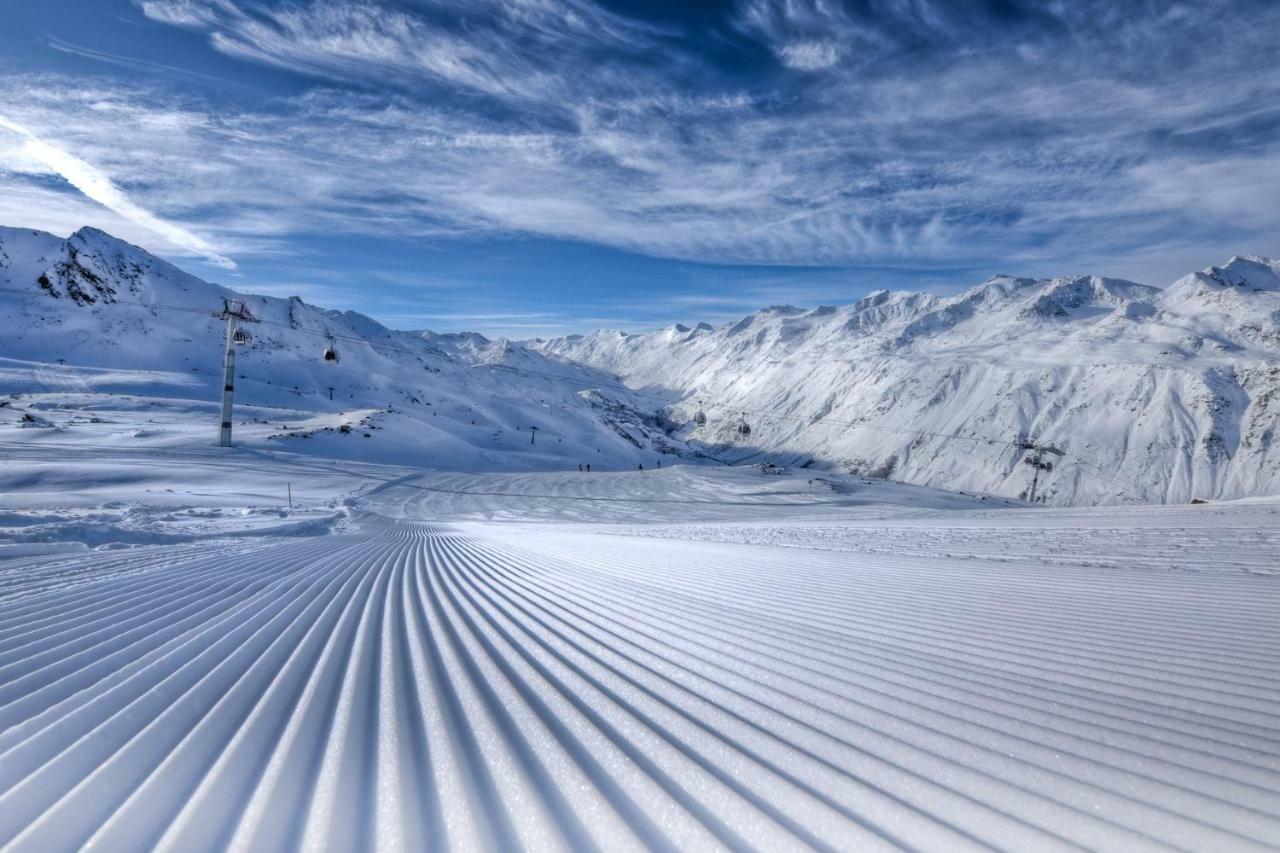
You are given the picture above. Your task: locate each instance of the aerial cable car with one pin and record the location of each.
(699, 417)
(330, 352)
(240, 337)
(744, 428)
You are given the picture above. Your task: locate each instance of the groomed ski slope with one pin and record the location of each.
(421, 679)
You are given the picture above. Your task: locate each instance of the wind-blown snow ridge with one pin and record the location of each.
(1156, 395)
(413, 685)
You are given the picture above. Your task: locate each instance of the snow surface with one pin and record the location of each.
(691, 657)
(1156, 395)
(101, 341)
(311, 641)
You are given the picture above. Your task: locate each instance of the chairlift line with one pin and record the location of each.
(330, 355)
(353, 339)
(757, 412)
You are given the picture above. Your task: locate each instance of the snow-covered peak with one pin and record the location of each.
(22, 248)
(1239, 301)
(1161, 395)
(1241, 276)
(466, 345)
(1064, 297)
(454, 401)
(96, 240)
(1251, 272)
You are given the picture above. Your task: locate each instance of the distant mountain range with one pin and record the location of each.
(1154, 394)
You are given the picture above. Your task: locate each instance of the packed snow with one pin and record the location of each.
(691, 657)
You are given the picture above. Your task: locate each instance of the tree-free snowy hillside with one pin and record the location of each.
(99, 337)
(1155, 395)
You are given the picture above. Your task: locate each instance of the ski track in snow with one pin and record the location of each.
(414, 685)
(1105, 547)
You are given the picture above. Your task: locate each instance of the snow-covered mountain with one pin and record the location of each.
(1154, 394)
(90, 323)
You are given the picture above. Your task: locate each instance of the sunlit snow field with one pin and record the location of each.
(692, 657)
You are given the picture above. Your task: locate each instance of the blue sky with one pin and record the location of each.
(532, 167)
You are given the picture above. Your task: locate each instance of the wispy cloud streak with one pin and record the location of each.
(98, 187)
(887, 132)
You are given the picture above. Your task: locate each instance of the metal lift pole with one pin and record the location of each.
(1036, 459)
(234, 312)
(228, 382)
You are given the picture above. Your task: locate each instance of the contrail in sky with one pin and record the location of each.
(90, 180)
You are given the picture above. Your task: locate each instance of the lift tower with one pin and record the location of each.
(1035, 457)
(234, 312)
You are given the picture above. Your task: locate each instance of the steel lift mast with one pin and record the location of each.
(234, 312)
(1035, 457)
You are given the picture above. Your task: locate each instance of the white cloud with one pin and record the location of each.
(546, 119)
(182, 13)
(500, 48)
(98, 187)
(810, 55)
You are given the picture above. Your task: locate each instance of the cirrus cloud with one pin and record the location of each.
(100, 188)
(895, 132)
